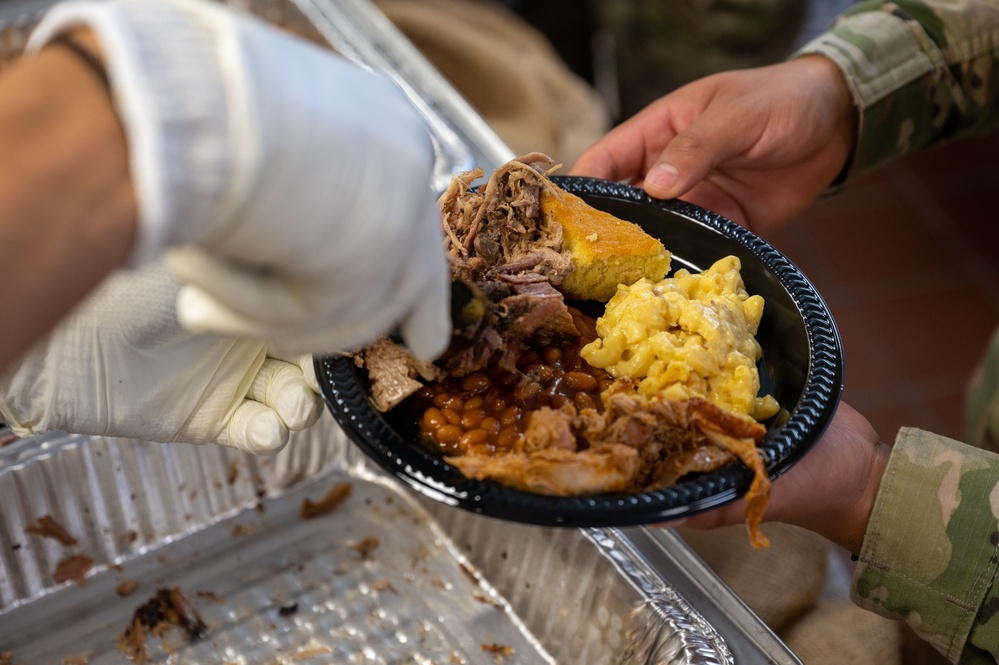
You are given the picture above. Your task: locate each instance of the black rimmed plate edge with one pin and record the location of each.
(343, 387)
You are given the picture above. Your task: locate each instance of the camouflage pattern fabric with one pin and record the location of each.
(929, 556)
(921, 72)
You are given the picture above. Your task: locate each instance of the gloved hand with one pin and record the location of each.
(122, 365)
(296, 183)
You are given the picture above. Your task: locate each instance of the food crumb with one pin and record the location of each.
(47, 527)
(6, 658)
(166, 609)
(210, 595)
(498, 651)
(233, 472)
(331, 500)
(468, 572)
(243, 530)
(365, 547)
(73, 568)
(74, 660)
(483, 598)
(592, 237)
(288, 610)
(384, 585)
(126, 588)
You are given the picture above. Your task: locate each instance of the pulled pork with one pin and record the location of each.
(497, 239)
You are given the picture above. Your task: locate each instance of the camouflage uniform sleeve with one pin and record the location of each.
(921, 72)
(929, 555)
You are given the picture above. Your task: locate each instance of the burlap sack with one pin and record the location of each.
(779, 583)
(507, 71)
(789, 586)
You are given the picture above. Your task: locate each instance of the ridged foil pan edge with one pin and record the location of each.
(171, 514)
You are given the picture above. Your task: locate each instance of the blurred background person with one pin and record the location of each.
(554, 76)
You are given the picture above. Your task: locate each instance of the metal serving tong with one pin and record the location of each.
(469, 307)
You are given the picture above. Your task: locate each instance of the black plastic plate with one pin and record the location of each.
(802, 367)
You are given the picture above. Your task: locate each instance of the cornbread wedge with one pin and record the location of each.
(606, 251)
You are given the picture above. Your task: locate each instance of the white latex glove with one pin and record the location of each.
(299, 182)
(122, 365)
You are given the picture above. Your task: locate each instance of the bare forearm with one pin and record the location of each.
(846, 524)
(67, 209)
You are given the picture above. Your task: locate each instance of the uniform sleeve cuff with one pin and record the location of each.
(875, 71)
(929, 554)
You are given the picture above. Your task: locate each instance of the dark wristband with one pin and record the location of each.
(88, 58)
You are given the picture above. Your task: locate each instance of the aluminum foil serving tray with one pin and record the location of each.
(94, 530)
(384, 576)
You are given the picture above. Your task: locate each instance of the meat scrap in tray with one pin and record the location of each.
(549, 400)
(48, 527)
(168, 608)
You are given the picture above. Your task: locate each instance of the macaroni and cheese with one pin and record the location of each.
(690, 335)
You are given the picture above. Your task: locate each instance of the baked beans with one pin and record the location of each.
(486, 412)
